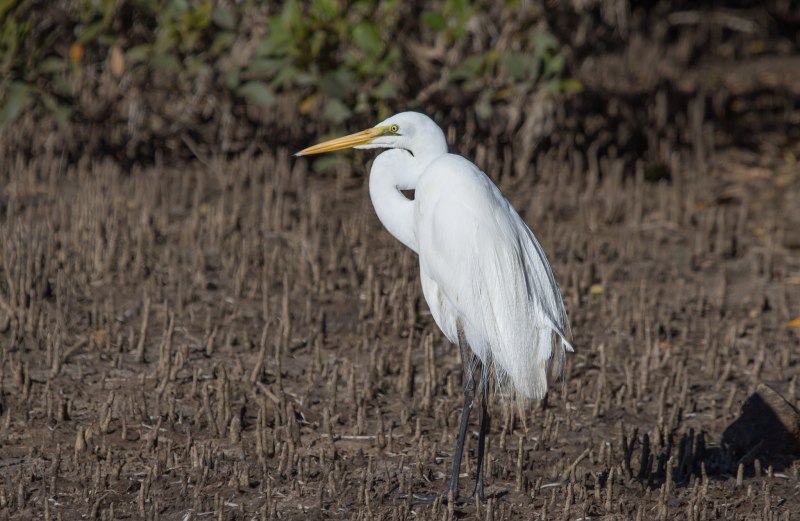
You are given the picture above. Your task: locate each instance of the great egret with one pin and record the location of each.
(484, 275)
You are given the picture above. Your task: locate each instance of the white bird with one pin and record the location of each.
(484, 275)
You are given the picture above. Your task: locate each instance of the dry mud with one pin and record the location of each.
(234, 336)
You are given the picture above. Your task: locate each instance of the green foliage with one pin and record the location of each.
(343, 56)
(19, 97)
(452, 18)
(337, 50)
(543, 66)
(37, 69)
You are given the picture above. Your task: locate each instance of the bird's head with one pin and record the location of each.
(411, 131)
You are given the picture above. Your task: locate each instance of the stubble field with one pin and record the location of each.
(208, 335)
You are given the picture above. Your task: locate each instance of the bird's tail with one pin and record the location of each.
(529, 378)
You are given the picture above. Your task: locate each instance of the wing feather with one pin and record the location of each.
(481, 264)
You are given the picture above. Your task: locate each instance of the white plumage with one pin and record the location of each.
(480, 265)
(479, 261)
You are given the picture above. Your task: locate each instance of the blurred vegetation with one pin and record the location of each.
(341, 56)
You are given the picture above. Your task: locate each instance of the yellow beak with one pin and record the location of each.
(353, 140)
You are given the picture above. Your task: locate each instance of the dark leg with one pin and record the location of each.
(483, 430)
(469, 398)
(469, 401)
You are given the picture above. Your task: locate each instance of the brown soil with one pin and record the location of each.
(236, 337)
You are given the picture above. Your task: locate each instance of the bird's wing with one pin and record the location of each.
(491, 272)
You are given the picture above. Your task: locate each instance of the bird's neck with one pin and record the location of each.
(393, 171)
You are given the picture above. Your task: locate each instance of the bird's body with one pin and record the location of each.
(511, 317)
(484, 275)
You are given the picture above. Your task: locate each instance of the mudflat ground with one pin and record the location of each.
(200, 335)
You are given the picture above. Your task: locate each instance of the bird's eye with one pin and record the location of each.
(394, 129)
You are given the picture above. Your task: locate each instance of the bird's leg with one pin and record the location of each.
(469, 398)
(483, 430)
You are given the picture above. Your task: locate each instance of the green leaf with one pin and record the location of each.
(367, 39)
(554, 66)
(518, 65)
(571, 85)
(291, 16)
(557, 86)
(52, 65)
(384, 90)
(166, 62)
(460, 7)
(469, 68)
(18, 98)
(62, 85)
(179, 6)
(107, 40)
(166, 39)
(139, 53)
(543, 42)
(325, 9)
(335, 111)
(195, 66)
(317, 43)
(278, 41)
(222, 42)
(232, 79)
(257, 93)
(91, 32)
(60, 112)
(552, 86)
(338, 83)
(434, 20)
(5, 5)
(285, 77)
(198, 18)
(269, 66)
(189, 40)
(223, 18)
(304, 79)
(9, 42)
